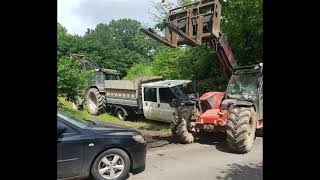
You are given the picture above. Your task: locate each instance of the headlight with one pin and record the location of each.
(139, 139)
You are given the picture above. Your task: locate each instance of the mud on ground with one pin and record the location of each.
(157, 139)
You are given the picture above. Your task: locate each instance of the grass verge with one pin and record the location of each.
(140, 124)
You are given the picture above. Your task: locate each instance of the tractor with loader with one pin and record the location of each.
(239, 110)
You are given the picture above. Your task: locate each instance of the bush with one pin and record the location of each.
(71, 79)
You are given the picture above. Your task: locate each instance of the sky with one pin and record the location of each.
(78, 15)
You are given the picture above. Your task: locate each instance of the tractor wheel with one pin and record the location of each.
(241, 129)
(96, 101)
(180, 127)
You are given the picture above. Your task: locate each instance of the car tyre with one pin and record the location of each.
(112, 164)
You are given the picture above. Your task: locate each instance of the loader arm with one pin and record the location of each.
(225, 55)
(86, 63)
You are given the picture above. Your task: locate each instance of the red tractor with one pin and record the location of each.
(239, 110)
(212, 116)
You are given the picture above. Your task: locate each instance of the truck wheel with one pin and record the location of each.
(180, 128)
(120, 114)
(241, 128)
(96, 102)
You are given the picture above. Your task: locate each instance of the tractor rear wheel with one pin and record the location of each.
(96, 101)
(241, 129)
(180, 126)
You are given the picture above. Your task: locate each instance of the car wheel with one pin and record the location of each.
(113, 164)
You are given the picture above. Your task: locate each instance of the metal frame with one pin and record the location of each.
(191, 24)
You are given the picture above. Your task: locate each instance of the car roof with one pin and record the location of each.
(166, 83)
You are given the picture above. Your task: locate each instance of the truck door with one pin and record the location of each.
(150, 104)
(166, 110)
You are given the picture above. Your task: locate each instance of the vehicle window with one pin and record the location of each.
(100, 77)
(166, 95)
(179, 92)
(68, 130)
(211, 100)
(150, 94)
(75, 121)
(112, 77)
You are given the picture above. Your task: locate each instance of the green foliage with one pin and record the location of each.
(167, 63)
(199, 62)
(139, 70)
(71, 80)
(122, 43)
(242, 23)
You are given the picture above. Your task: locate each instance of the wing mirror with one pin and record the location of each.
(174, 103)
(60, 131)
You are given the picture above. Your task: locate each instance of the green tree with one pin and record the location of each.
(138, 70)
(123, 44)
(71, 79)
(242, 23)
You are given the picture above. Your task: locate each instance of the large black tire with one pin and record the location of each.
(241, 128)
(180, 125)
(120, 114)
(96, 102)
(99, 164)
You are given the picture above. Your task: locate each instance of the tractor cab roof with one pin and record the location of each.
(166, 83)
(109, 71)
(255, 69)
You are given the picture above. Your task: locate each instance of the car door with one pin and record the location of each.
(150, 103)
(166, 110)
(70, 152)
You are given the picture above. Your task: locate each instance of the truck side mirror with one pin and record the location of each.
(174, 103)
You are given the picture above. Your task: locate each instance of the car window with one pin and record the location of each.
(150, 94)
(165, 95)
(68, 130)
(112, 77)
(75, 121)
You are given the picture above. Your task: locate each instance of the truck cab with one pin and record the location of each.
(157, 97)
